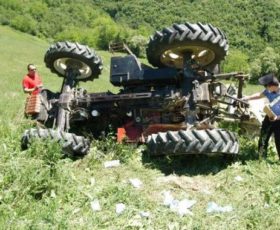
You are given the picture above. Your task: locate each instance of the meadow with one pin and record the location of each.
(41, 189)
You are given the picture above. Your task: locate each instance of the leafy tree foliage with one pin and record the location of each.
(250, 25)
(267, 62)
(236, 61)
(138, 45)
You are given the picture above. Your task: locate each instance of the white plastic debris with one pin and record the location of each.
(53, 195)
(120, 207)
(111, 164)
(213, 207)
(95, 205)
(181, 207)
(238, 178)
(135, 182)
(184, 206)
(92, 181)
(168, 198)
(144, 214)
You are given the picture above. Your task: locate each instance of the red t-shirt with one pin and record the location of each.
(30, 82)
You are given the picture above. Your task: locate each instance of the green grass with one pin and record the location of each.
(41, 190)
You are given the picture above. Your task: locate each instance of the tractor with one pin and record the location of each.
(173, 105)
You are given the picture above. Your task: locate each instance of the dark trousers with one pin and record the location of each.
(267, 129)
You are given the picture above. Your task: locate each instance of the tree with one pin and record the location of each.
(267, 62)
(236, 61)
(137, 44)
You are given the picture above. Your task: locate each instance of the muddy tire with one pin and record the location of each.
(71, 144)
(62, 55)
(208, 44)
(209, 142)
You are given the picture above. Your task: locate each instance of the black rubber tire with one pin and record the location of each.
(74, 51)
(209, 142)
(188, 34)
(71, 144)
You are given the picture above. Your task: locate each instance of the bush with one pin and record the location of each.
(267, 62)
(24, 23)
(137, 44)
(236, 61)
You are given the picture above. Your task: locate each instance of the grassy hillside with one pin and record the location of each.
(41, 190)
(17, 50)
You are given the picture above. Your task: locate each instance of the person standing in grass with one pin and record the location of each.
(32, 82)
(270, 125)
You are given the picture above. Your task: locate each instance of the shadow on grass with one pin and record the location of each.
(193, 164)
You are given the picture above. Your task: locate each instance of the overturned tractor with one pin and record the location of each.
(172, 107)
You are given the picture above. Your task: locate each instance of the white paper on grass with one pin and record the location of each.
(168, 198)
(120, 207)
(181, 207)
(95, 205)
(135, 182)
(145, 214)
(111, 164)
(238, 178)
(213, 207)
(92, 181)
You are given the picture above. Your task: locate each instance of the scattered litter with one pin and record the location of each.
(238, 178)
(181, 207)
(120, 207)
(168, 198)
(144, 214)
(53, 195)
(92, 181)
(95, 206)
(266, 205)
(136, 183)
(111, 164)
(213, 207)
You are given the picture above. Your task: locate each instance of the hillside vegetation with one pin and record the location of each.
(40, 189)
(252, 26)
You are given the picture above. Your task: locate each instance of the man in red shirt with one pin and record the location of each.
(32, 82)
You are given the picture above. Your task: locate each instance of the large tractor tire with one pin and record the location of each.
(71, 144)
(209, 142)
(207, 45)
(63, 55)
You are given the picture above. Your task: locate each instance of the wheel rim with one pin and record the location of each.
(175, 57)
(61, 65)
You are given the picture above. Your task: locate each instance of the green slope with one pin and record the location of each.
(17, 50)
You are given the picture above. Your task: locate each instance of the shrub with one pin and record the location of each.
(137, 44)
(236, 61)
(267, 62)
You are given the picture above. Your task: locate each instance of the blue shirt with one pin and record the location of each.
(274, 101)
